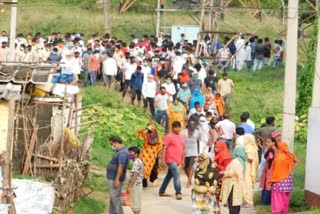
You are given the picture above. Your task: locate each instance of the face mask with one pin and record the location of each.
(113, 148)
(194, 78)
(168, 81)
(162, 62)
(144, 64)
(70, 46)
(131, 156)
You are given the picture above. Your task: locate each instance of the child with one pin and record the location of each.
(135, 182)
(264, 184)
(218, 100)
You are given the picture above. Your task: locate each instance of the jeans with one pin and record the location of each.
(107, 79)
(258, 64)
(86, 78)
(162, 118)
(149, 100)
(115, 199)
(93, 77)
(135, 93)
(249, 65)
(276, 61)
(173, 172)
(226, 65)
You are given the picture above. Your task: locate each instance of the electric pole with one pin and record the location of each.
(290, 77)
(312, 175)
(106, 10)
(13, 26)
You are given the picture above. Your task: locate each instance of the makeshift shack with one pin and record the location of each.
(44, 127)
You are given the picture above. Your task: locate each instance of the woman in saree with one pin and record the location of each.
(176, 112)
(151, 149)
(281, 178)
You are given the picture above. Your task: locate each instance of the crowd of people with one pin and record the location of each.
(222, 161)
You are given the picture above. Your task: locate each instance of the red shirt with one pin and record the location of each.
(147, 44)
(175, 148)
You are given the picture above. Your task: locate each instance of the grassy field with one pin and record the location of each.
(48, 16)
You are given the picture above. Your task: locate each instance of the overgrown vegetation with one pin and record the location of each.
(87, 205)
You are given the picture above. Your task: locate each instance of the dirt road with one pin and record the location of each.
(153, 204)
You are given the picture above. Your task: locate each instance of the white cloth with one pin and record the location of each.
(146, 70)
(228, 128)
(251, 123)
(68, 66)
(130, 69)
(177, 66)
(248, 53)
(162, 102)
(149, 89)
(110, 67)
(240, 141)
(170, 88)
(191, 142)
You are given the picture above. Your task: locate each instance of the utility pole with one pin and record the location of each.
(290, 77)
(158, 18)
(106, 10)
(13, 26)
(312, 188)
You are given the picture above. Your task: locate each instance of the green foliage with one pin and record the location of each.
(115, 117)
(306, 74)
(96, 182)
(87, 206)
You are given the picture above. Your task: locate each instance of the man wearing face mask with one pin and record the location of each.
(171, 89)
(149, 89)
(131, 67)
(192, 138)
(195, 82)
(116, 174)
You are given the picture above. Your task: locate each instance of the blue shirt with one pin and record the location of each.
(247, 128)
(136, 81)
(120, 157)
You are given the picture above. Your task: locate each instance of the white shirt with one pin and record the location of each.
(162, 102)
(77, 65)
(228, 128)
(110, 67)
(149, 89)
(191, 142)
(224, 54)
(146, 70)
(251, 123)
(240, 141)
(171, 89)
(130, 69)
(177, 66)
(248, 53)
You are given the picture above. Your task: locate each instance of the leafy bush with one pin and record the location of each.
(115, 117)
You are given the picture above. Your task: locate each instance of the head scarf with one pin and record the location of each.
(249, 140)
(153, 137)
(222, 157)
(240, 154)
(177, 108)
(185, 76)
(282, 165)
(196, 92)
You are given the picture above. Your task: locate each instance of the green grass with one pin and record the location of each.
(87, 205)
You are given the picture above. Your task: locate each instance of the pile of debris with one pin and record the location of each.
(45, 128)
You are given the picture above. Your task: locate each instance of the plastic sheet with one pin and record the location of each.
(32, 197)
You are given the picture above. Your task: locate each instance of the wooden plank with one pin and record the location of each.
(45, 157)
(27, 164)
(6, 182)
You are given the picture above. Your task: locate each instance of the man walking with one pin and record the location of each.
(136, 85)
(225, 87)
(162, 102)
(173, 156)
(116, 174)
(149, 89)
(110, 69)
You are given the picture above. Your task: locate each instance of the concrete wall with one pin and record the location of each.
(312, 182)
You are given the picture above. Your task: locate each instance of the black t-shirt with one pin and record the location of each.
(210, 82)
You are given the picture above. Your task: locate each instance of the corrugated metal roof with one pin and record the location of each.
(23, 73)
